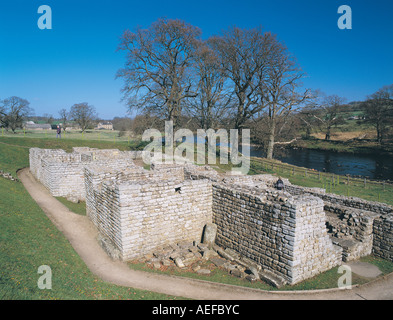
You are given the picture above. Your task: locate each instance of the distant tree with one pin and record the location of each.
(83, 114)
(64, 118)
(122, 124)
(48, 118)
(328, 113)
(306, 114)
(14, 110)
(157, 76)
(3, 122)
(378, 110)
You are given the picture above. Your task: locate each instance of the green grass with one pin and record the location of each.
(78, 208)
(28, 239)
(99, 135)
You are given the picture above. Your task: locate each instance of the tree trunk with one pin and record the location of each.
(327, 136)
(270, 146)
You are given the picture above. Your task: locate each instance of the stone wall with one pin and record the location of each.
(62, 173)
(35, 157)
(351, 229)
(383, 237)
(285, 235)
(293, 234)
(361, 227)
(139, 210)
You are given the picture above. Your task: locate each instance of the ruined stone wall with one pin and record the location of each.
(62, 173)
(352, 229)
(165, 213)
(140, 210)
(63, 176)
(286, 236)
(369, 223)
(35, 157)
(383, 237)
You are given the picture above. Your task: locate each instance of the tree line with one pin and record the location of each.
(241, 78)
(15, 110)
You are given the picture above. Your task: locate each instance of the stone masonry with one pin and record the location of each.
(292, 234)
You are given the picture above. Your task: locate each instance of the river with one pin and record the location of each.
(372, 166)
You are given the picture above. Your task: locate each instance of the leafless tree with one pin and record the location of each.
(243, 54)
(64, 117)
(14, 110)
(3, 121)
(83, 114)
(157, 75)
(378, 110)
(328, 113)
(213, 100)
(279, 90)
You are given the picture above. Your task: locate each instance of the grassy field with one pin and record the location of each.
(99, 135)
(28, 239)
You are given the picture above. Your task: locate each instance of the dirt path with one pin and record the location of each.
(82, 235)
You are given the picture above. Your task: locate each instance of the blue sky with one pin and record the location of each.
(77, 60)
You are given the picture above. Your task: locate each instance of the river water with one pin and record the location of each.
(372, 166)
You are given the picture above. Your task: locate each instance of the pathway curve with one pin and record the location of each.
(82, 235)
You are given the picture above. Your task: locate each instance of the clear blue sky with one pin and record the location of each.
(77, 61)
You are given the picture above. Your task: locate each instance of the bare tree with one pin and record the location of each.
(328, 113)
(279, 90)
(157, 71)
(83, 114)
(3, 119)
(64, 117)
(213, 100)
(14, 110)
(378, 110)
(243, 55)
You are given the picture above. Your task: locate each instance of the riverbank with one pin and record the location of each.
(355, 146)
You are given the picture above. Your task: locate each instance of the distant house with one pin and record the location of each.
(105, 125)
(30, 125)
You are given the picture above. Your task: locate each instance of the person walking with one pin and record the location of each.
(58, 132)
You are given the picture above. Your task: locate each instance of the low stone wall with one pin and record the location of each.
(35, 157)
(352, 229)
(139, 214)
(369, 223)
(62, 173)
(285, 235)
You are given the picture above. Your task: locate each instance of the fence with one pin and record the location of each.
(333, 183)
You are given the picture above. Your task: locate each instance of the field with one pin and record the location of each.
(28, 239)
